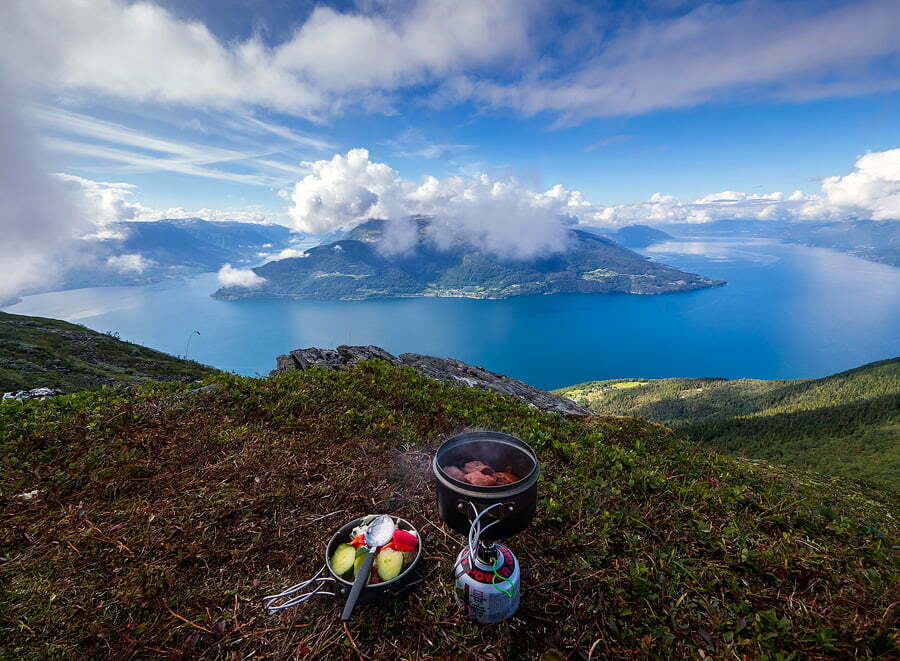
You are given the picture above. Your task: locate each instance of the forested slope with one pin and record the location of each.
(847, 424)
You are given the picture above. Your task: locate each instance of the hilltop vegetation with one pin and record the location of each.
(847, 424)
(356, 268)
(156, 521)
(39, 352)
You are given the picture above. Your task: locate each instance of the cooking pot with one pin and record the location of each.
(459, 502)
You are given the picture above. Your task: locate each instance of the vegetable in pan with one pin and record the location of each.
(391, 560)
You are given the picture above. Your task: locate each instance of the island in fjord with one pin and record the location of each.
(357, 267)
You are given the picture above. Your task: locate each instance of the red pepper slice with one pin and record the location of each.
(404, 541)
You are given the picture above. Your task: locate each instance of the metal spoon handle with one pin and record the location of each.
(358, 584)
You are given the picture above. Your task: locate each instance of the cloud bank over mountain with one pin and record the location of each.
(504, 217)
(500, 216)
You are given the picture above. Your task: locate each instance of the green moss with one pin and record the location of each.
(165, 516)
(38, 352)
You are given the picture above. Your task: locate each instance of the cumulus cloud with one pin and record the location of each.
(102, 202)
(500, 216)
(870, 192)
(246, 278)
(338, 193)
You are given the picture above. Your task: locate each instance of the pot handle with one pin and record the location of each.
(468, 507)
(272, 605)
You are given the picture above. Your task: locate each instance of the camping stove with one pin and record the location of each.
(487, 573)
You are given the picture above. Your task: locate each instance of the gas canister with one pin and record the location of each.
(487, 589)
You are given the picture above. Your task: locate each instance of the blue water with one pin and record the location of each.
(787, 312)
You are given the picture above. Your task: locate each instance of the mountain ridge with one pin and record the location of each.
(355, 268)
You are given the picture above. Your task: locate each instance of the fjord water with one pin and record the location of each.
(787, 312)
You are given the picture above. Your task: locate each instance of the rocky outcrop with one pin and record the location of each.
(35, 393)
(447, 370)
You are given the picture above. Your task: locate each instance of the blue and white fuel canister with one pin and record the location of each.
(486, 593)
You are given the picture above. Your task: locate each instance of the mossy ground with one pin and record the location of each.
(167, 515)
(37, 352)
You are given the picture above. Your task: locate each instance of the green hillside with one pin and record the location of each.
(37, 352)
(154, 523)
(847, 424)
(359, 267)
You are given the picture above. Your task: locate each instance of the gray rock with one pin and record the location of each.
(35, 393)
(447, 370)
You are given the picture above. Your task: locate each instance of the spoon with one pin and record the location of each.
(378, 533)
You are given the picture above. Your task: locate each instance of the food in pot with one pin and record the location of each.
(455, 473)
(342, 559)
(480, 474)
(398, 554)
(389, 563)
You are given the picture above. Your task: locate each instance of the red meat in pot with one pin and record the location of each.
(480, 479)
(455, 473)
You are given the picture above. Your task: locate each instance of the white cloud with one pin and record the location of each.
(763, 48)
(504, 217)
(501, 216)
(131, 147)
(334, 58)
(286, 253)
(129, 263)
(341, 192)
(523, 54)
(232, 277)
(38, 218)
(871, 191)
(102, 202)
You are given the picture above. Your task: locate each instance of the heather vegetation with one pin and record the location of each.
(151, 523)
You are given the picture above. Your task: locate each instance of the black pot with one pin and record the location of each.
(371, 593)
(456, 498)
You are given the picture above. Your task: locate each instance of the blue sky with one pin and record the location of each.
(209, 108)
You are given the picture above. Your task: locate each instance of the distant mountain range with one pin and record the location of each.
(144, 252)
(355, 268)
(877, 241)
